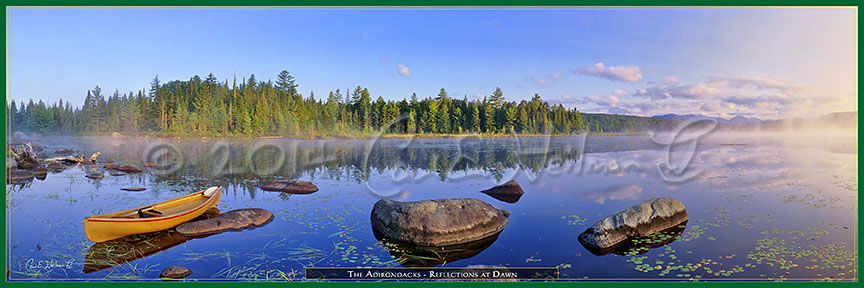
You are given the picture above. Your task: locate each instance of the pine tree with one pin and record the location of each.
(509, 118)
(474, 119)
(411, 127)
(488, 118)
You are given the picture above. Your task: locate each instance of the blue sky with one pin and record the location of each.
(757, 63)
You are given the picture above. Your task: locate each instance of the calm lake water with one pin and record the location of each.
(759, 208)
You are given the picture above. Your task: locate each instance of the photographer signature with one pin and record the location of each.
(32, 264)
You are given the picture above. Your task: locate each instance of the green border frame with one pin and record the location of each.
(406, 4)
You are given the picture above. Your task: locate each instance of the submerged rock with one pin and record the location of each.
(36, 147)
(64, 151)
(55, 165)
(134, 189)
(40, 172)
(130, 169)
(290, 186)
(231, 220)
(111, 166)
(18, 176)
(437, 222)
(175, 272)
(641, 245)
(410, 255)
(509, 192)
(117, 173)
(95, 175)
(640, 220)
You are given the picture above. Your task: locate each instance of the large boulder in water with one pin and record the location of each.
(439, 222)
(640, 220)
(410, 255)
(290, 186)
(117, 136)
(231, 220)
(509, 192)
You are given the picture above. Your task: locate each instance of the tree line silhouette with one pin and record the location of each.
(208, 107)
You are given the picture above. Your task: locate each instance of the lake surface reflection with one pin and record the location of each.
(759, 208)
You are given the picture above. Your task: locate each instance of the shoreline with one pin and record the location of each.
(384, 136)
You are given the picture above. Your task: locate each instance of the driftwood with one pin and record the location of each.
(93, 157)
(24, 156)
(77, 159)
(68, 159)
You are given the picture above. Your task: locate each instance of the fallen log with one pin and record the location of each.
(68, 159)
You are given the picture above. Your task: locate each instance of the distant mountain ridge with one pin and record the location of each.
(843, 120)
(734, 120)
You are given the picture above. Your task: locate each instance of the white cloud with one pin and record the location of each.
(616, 73)
(555, 76)
(542, 82)
(694, 91)
(404, 70)
(566, 100)
(713, 106)
(754, 82)
(607, 101)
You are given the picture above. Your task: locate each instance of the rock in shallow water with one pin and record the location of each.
(95, 175)
(55, 165)
(40, 172)
(111, 166)
(63, 151)
(231, 220)
(640, 220)
(439, 222)
(18, 176)
(290, 186)
(175, 272)
(509, 192)
(19, 138)
(130, 169)
(410, 255)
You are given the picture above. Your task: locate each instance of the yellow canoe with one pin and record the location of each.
(166, 215)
